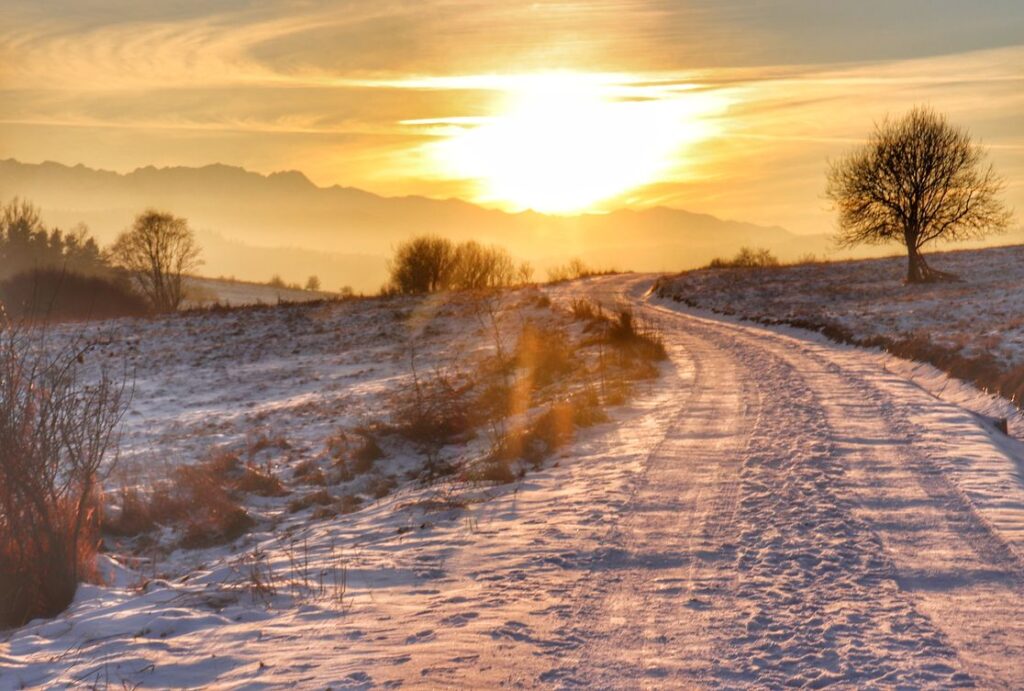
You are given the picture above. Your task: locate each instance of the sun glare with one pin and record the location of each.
(566, 142)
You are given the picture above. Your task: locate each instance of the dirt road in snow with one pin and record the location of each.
(809, 518)
(775, 511)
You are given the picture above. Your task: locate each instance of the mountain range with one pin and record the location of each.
(253, 226)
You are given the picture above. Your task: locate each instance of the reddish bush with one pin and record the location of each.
(56, 431)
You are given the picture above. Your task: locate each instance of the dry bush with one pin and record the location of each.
(575, 269)
(380, 486)
(262, 483)
(746, 258)
(428, 264)
(57, 430)
(343, 505)
(636, 342)
(635, 336)
(133, 517)
(496, 470)
(262, 442)
(585, 310)
(545, 353)
(553, 429)
(196, 499)
(436, 410)
(318, 498)
(309, 473)
(354, 452)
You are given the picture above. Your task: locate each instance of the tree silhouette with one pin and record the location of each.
(918, 179)
(158, 250)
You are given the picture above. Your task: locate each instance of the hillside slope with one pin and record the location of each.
(255, 225)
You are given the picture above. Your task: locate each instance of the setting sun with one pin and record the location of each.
(565, 142)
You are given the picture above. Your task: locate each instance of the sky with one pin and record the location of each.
(728, 107)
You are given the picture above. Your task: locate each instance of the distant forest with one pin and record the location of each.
(26, 244)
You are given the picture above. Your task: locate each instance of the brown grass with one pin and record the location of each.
(35, 580)
(545, 353)
(262, 483)
(318, 498)
(380, 486)
(196, 499)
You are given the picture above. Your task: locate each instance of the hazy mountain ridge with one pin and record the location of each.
(253, 225)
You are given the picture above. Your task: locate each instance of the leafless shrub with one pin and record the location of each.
(586, 310)
(345, 504)
(258, 575)
(436, 410)
(544, 352)
(318, 498)
(263, 441)
(380, 486)
(354, 452)
(429, 264)
(195, 499)
(746, 258)
(493, 469)
(575, 269)
(309, 473)
(261, 482)
(57, 430)
(628, 332)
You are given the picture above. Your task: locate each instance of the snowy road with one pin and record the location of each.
(809, 518)
(775, 511)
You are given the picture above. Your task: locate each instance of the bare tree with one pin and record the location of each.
(158, 250)
(917, 180)
(57, 430)
(423, 265)
(313, 283)
(476, 266)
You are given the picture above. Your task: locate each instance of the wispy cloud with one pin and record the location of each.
(351, 92)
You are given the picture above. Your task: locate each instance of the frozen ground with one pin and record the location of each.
(775, 510)
(982, 315)
(205, 291)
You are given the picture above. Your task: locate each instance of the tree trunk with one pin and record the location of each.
(917, 271)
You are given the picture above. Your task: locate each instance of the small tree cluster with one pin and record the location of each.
(26, 244)
(429, 264)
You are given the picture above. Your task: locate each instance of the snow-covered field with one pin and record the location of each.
(774, 510)
(207, 291)
(352, 580)
(982, 315)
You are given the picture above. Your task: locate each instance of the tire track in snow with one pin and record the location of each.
(960, 570)
(650, 619)
(818, 603)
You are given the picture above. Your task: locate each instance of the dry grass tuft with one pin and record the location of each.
(318, 498)
(196, 499)
(262, 483)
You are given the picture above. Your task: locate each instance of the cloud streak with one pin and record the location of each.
(355, 92)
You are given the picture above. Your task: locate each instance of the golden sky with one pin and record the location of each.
(730, 108)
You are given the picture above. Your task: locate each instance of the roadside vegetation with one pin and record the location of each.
(746, 258)
(970, 329)
(494, 384)
(58, 439)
